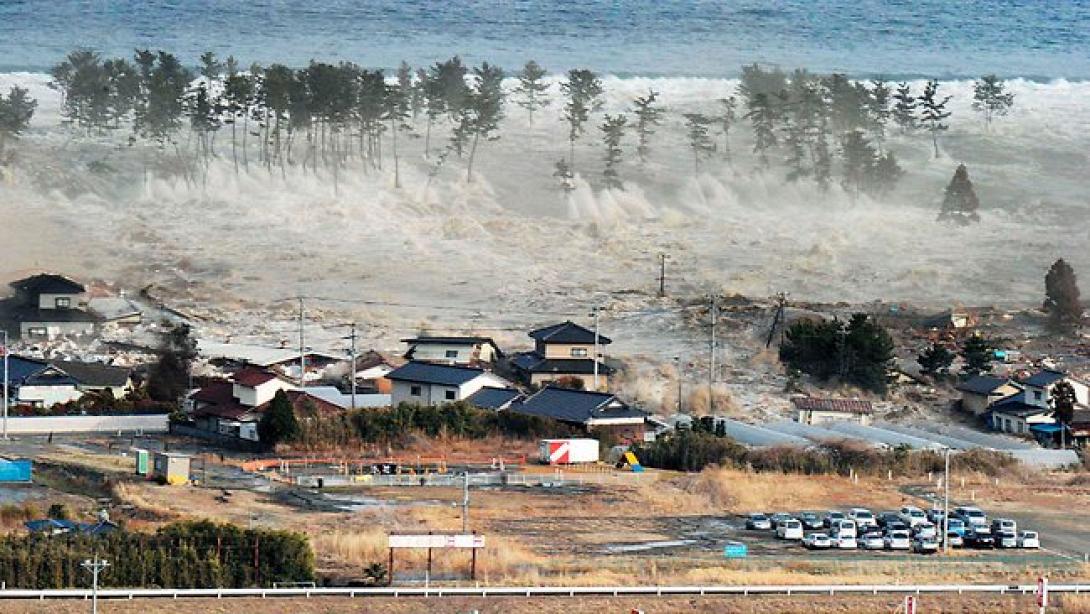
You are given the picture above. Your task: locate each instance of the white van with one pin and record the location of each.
(862, 517)
(789, 529)
(844, 528)
(912, 515)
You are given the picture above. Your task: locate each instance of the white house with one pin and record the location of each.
(423, 383)
(812, 410)
(1039, 387)
(472, 351)
(1014, 415)
(253, 387)
(49, 306)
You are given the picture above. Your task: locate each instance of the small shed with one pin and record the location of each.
(142, 457)
(17, 470)
(171, 468)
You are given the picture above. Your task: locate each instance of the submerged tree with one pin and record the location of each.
(531, 89)
(960, 204)
(991, 98)
(396, 110)
(1062, 301)
(485, 108)
(648, 115)
(904, 108)
(584, 92)
(16, 111)
(933, 112)
(879, 111)
(700, 141)
(612, 132)
(762, 114)
(726, 118)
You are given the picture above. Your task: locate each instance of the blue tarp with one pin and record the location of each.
(1046, 428)
(18, 470)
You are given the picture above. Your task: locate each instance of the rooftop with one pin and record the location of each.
(847, 406)
(493, 398)
(982, 384)
(535, 363)
(579, 406)
(454, 340)
(1044, 377)
(567, 332)
(94, 374)
(253, 378)
(48, 283)
(428, 373)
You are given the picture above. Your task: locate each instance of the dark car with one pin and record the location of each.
(811, 520)
(979, 539)
(887, 517)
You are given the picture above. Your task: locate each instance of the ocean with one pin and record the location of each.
(1037, 40)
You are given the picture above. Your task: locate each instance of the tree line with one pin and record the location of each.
(199, 554)
(342, 117)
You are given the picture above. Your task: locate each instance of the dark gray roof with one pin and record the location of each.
(532, 362)
(567, 332)
(48, 283)
(493, 398)
(94, 374)
(578, 406)
(450, 340)
(1043, 378)
(981, 384)
(1015, 405)
(429, 373)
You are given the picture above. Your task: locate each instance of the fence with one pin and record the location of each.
(556, 479)
(44, 425)
(226, 441)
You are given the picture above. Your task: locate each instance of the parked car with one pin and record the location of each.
(912, 515)
(925, 529)
(758, 522)
(846, 542)
(955, 539)
(779, 517)
(817, 541)
(844, 528)
(896, 526)
(935, 515)
(924, 545)
(789, 529)
(1005, 539)
(811, 520)
(979, 537)
(887, 517)
(1029, 539)
(872, 541)
(1004, 524)
(862, 517)
(957, 525)
(832, 516)
(972, 516)
(898, 540)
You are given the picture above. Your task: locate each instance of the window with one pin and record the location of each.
(63, 302)
(452, 353)
(450, 395)
(37, 331)
(1036, 395)
(579, 352)
(414, 390)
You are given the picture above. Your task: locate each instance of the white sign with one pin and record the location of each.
(910, 604)
(436, 541)
(1042, 592)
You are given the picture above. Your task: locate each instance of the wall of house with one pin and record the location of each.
(49, 301)
(47, 396)
(1016, 424)
(437, 394)
(635, 431)
(117, 391)
(53, 330)
(252, 397)
(564, 350)
(806, 416)
(437, 352)
(540, 379)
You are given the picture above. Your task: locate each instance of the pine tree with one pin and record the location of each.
(278, 424)
(960, 204)
(762, 114)
(904, 108)
(933, 112)
(1063, 400)
(935, 360)
(879, 112)
(991, 98)
(700, 142)
(562, 171)
(978, 354)
(859, 159)
(726, 118)
(485, 105)
(396, 111)
(1062, 298)
(16, 112)
(885, 174)
(531, 90)
(612, 132)
(648, 115)
(584, 92)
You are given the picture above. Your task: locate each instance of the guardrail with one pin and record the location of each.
(541, 591)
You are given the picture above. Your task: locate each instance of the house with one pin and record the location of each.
(371, 371)
(564, 351)
(36, 383)
(425, 383)
(1078, 432)
(494, 398)
(55, 526)
(1014, 415)
(472, 351)
(813, 410)
(233, 408)
(950, 320)
(344, 400)
(98, 377)
(589, 410)
(284, 361)
(980, 392)
(115, 309)
(1038, 388)
(48, 306)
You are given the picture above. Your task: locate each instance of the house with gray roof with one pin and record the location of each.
(424, 383)
(980, 392)
(563, 352)
(589, 410)
(47, 306)
(453, 350)
(494, 398)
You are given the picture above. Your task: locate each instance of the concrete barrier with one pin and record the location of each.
(44, 425)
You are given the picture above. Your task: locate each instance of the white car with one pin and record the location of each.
(872, 541)
(1004, 524)
(862, 517)
(1029, 539)
(1005, 539)
(898, 540)
(758, 522)
(935, 515)
(789, 529)
(844, 528)
(955, 539)
(817, 541)
(924, 545)
(846, 542)
(926, 529)
(912, 515)
(973, 516)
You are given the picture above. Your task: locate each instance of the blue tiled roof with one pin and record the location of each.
(493, 398)
(428, 373)
(532, 362)
(568, 332)
(1044, 378)
(981, 384)
(578, 406)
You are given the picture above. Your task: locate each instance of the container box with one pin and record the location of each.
(568, 451)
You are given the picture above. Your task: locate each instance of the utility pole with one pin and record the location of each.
(94, 566)
(711, 361)
(595, 314)
(946, 504)
(302, 349)
(352, 353)
(662, 275)
(677, 362)
(5, 384)
(465, 503)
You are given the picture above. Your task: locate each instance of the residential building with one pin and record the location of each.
(589, 410)
(471, 351)
(1039, 385)
(1015, 415)
(980, 392)
(494, 398)
(48, 306)
(282, 360)
(563, 352)
(813, 410)
(98, 377)
(424, 383)
(371, 371)
(36, 383)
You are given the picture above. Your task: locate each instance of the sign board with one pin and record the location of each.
(437, 541)
(735, 550)
(910, 604)
(1042, 592)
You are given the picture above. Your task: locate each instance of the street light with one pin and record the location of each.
(946, 504)
(94, 566)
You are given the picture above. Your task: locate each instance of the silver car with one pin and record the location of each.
(872, 541)
(1006, 539)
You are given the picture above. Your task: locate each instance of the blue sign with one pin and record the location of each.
(735, 550)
